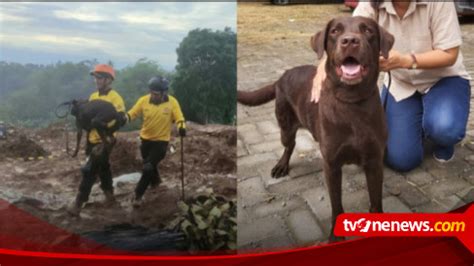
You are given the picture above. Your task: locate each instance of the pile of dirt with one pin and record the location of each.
(52, 183)
(56, 130)
(21, 146)
(210, 150)
(124, 157)
(223, 162)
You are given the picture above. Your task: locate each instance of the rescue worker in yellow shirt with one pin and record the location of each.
(98, 157)
(159, 110)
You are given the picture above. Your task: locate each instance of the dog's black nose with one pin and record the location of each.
(350, 41)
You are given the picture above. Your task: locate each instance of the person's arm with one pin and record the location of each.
(136, 110)
(178, 115)
(445, 42)
(178, 118)
(427, 60)
(318, 81)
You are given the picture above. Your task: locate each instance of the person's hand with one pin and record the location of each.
(123, 119)
(395, 60)
(182, 132)
(318, 82)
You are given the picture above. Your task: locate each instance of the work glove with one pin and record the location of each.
(182, 132)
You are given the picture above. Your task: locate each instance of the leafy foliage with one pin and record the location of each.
(209, 223)
(30, 94)
(206, 76)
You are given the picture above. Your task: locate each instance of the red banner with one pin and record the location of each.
(460, 225)
(27, 240)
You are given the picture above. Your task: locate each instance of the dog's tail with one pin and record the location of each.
(258, 97)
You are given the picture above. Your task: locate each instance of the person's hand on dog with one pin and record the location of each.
(123, 119)
(395, 60)
(318, 81)
(182, 132)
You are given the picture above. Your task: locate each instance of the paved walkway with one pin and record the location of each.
(295, 210)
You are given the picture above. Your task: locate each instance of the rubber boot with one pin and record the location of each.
(75, 208)
(155, 182)
(109, 197)
(137, 202)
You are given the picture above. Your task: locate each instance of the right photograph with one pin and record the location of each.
(350, 107)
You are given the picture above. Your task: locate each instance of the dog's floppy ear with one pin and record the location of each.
(386, 42)
(318, 41)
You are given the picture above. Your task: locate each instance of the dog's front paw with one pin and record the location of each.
(280, 170)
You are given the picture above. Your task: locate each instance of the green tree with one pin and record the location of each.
(206, 78)
(30, 93)
(32, 101)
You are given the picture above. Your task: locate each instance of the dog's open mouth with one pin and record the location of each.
(351, 71)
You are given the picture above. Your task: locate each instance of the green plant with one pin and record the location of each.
(209, 222)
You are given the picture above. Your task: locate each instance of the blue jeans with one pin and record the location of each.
(440, 116)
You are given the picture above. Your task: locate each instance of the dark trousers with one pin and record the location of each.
(95, 165)
(152, 153)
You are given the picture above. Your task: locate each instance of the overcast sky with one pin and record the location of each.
(123, 32)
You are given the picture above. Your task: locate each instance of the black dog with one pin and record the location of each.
(348, 121)
(99, 115)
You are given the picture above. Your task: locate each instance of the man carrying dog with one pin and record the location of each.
(158, 110)
(97, 152)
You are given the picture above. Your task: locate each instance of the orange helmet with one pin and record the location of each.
(104, 69)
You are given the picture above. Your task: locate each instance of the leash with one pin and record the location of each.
(66, 124)
(56, 111)
(388, 91)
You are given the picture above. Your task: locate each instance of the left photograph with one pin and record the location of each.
(118, 126)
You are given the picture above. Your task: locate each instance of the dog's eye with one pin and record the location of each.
(335, 31)
(368, 30)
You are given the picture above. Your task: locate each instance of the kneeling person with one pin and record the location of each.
(158, 110)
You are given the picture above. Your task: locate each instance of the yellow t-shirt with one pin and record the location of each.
(112, 97)
(157, 119)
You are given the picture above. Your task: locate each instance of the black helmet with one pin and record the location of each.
(158, 84)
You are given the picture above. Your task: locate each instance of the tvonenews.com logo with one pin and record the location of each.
(459, 225)
(365, 225)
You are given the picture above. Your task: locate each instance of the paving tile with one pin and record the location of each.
(304, 227)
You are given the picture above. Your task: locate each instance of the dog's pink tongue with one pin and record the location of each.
(350, 69)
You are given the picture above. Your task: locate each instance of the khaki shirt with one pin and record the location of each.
(425, 26)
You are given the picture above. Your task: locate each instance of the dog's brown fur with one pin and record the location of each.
(348, 122)
(96, 114)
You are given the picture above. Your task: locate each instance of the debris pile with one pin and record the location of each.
(19, 145)
(44, 187)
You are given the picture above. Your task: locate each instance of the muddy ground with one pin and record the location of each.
(38, 176)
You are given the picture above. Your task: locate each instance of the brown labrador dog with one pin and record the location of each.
(348, 122)
(96, 114)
